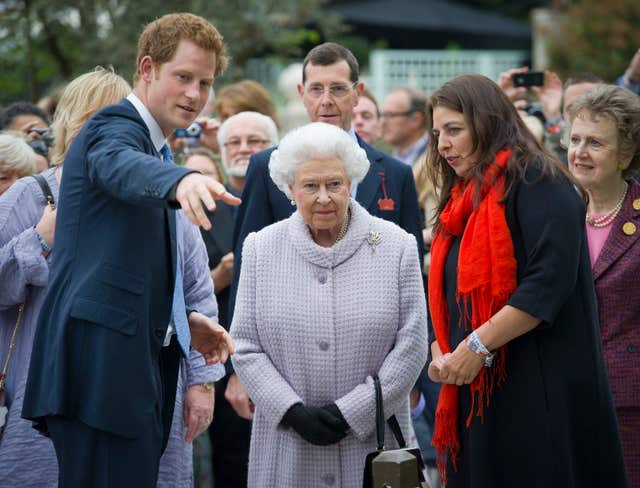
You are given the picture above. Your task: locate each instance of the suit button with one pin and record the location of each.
(323, 345)
(328, 479)
(160, 333)
(631, 348)
(322, 278)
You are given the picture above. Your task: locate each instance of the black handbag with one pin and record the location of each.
(367, 480)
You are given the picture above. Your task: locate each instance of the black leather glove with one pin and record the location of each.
(321, 426)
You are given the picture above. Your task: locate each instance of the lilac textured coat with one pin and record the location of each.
(312, 325)
(616, 275)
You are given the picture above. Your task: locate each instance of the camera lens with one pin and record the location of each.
(194, 130)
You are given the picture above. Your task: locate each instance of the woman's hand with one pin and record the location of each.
(435, 367)
(47, 225)
(550, 95)
(505, 81)
(461, 367)
(209, 135)
(320, 426)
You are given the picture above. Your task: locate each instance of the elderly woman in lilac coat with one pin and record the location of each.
(27, 225)
(604, 155)
(327, 298)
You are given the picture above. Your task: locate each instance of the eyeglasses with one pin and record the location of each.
(339, 90)
(390, 115)
(252, 143)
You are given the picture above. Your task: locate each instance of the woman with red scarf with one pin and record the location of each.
(525, 400)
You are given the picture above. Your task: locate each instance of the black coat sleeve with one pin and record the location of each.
(546, 219)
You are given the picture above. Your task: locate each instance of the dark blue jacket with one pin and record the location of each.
(108, 304)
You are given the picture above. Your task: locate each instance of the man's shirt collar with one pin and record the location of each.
(157, 137)
(352, 133)
(413, 152)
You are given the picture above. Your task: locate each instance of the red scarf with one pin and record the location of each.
(486, 277)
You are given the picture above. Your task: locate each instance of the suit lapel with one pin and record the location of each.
(618, 241)
(368, 187)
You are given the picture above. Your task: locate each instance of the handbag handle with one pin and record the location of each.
(46, 189)
(379, 413)
(394, 425)
(12, 345)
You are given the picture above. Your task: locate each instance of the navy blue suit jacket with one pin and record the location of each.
(108, 304)
(263, 203)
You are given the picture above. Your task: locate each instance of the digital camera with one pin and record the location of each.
(41, 146)
(528, 79)
(194, 131)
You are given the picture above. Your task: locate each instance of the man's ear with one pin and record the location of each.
(147, 68)
(300, 89)
(359, 87)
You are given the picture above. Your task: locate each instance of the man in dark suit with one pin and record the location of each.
(114, 322)
(329, 90)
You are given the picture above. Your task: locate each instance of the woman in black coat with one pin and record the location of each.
(525, 400)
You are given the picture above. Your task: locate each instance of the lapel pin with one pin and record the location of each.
(386, 203)
(629, 228)
(374, 239)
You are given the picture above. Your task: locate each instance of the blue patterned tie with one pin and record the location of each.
(178, 308)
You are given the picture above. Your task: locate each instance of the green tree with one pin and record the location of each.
(46, 42)
(596, 36)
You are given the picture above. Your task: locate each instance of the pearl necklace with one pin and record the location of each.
(344, 227)
(607, 218)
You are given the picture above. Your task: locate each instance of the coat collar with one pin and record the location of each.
(330, 257)
(618, 241)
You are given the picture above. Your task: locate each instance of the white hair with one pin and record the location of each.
(316, 141)
(268, 125)
(16, 156)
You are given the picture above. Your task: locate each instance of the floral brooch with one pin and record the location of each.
(374, 238)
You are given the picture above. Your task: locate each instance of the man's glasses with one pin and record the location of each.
(252, 143)
(338, 90)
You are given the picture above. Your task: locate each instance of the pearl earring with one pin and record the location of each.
(293, 203)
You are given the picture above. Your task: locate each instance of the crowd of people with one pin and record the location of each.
(185, 296)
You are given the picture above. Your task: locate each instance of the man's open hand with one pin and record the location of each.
(210, 339)
(195, 189)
